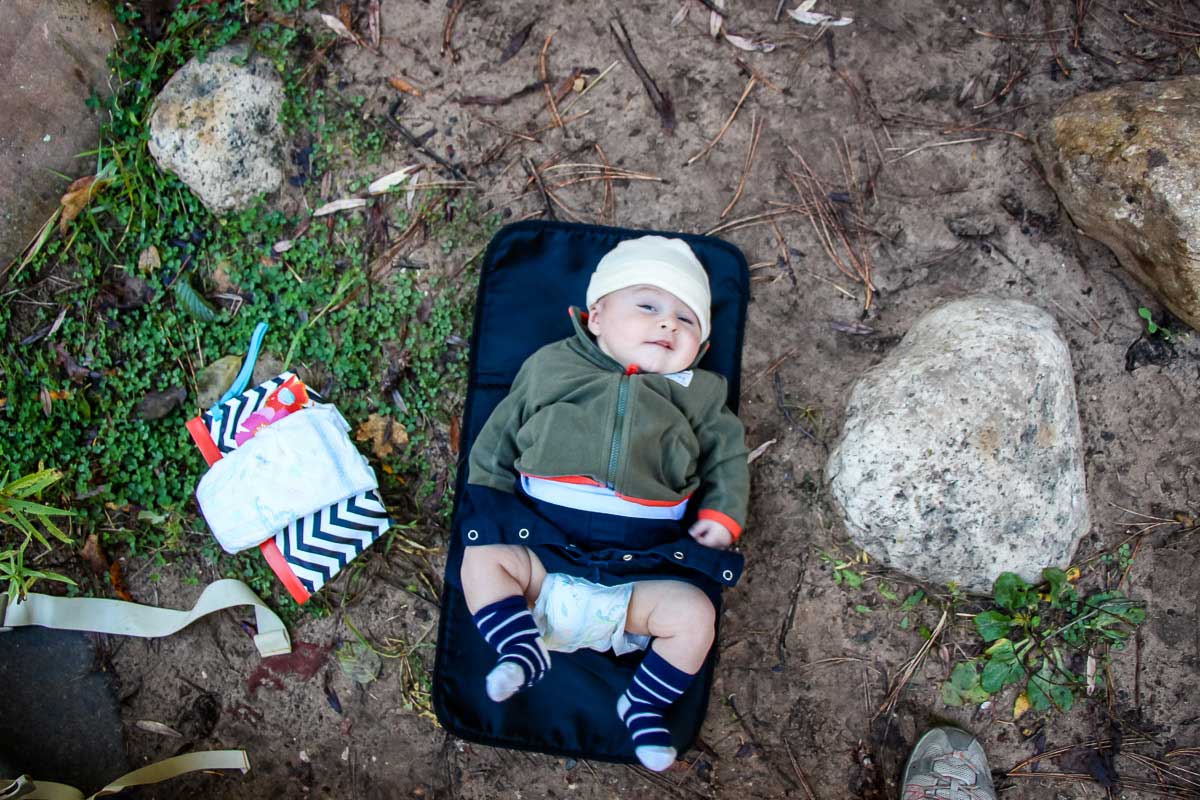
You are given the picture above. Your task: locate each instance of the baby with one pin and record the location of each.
(607, 434)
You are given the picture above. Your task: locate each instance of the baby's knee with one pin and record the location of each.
(694, 616)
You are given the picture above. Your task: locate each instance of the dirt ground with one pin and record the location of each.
(954, 212)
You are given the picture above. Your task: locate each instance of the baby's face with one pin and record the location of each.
(646, 326)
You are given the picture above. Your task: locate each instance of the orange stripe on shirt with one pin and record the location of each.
(576, 479)
(724, 519)
(586, 481)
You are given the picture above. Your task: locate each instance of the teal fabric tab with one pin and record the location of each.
(243, 379)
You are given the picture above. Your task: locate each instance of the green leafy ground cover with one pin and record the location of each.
(131, 282)
(1050, 641)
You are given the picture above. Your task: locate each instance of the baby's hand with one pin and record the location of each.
(711, 533)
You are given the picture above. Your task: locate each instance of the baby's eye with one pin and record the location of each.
(686, 320)
(646, 306)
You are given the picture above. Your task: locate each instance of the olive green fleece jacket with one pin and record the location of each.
(573, 411)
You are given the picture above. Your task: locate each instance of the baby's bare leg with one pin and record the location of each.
(681, 619)
(500, 581)
(679, 616)
(492, 572)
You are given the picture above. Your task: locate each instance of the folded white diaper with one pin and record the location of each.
(297, 466)
(573, 613)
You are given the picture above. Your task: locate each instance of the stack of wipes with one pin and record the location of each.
(291, 469)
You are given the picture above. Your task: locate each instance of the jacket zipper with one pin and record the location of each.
(615, 451)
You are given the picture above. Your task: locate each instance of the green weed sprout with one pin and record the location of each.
(27, 518)
(1031, 637)
(1152, 327)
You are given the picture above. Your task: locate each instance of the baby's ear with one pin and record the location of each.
(593, 317)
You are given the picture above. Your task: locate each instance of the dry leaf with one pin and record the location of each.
(150, 726)
(1021, 705)
(382, 184)
(340, 205)
(47, 405)
(455, 434)
(681, 14)
(758, 451)
(401, 85)
(343, 13)
(337, 26)
(156, 405)
(282, 246)
(78, 195)
(221, 280)
(385, 434)
(749, 45)
(804, 13)
(1090, 672)
(715, 20)
(94, 555)
(118, 582)
(149, 261)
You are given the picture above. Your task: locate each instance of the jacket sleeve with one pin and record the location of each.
(495, 448)
(724, 472)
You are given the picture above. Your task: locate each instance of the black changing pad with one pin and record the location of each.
(531, 273)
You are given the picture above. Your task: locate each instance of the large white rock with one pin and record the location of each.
(216, 125)
(961, 455)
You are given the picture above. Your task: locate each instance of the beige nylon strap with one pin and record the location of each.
(23, 787)
(132, 619)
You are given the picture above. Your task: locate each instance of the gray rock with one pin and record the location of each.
(1125, 164)
(961, 455)
(216, 125)
(53, 57)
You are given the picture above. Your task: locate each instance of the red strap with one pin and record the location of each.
(203, 440)
(283, 571)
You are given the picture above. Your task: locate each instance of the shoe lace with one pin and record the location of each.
(953, 779)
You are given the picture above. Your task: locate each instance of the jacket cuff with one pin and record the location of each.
(724, 519)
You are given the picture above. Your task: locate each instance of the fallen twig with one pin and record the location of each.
(416, 143)
(532, 172)
(827, 223)
(931, 145)
(911, 666)
(456, 7)
(756, 127)
(658, 98)
(608, 208)
(544, 74)
(493, 100)
(745, 93)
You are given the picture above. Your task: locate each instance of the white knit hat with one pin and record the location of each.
(667, 264)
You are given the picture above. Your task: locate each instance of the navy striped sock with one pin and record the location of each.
(656, 685)
(507, 625)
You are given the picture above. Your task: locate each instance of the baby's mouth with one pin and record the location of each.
(662, 343)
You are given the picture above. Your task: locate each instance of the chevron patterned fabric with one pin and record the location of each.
(320, 545)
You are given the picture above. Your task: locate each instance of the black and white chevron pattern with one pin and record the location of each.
(318, 546)
(236, 410)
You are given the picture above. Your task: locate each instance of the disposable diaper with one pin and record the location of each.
(294, 467)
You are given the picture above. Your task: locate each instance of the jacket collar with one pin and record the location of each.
(585, 345)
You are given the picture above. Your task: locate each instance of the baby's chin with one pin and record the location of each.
(662, 362)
